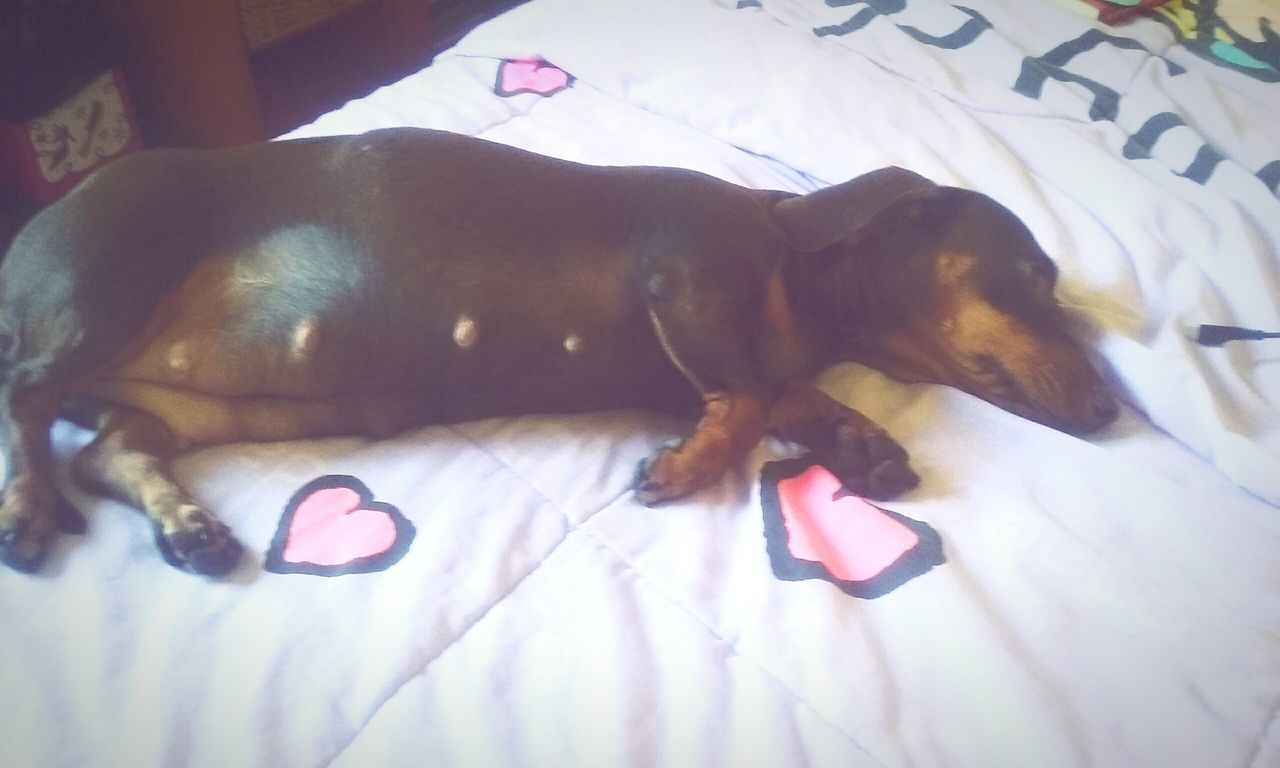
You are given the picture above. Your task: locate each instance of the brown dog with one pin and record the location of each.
(372, 283)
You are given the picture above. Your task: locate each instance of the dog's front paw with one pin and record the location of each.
(663, 476)
(869, 463)
(199, 543)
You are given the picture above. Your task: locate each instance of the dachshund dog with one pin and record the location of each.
(368, 284)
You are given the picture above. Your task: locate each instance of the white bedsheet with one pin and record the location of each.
(1106, 602)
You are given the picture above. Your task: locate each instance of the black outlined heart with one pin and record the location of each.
(332, 527)
(517, 76)
(814, 529)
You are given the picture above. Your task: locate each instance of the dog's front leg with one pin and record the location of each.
(853, 447)
(730, 426)
(705, 333)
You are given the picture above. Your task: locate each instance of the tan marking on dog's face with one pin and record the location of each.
(1034, 369)
(952, 269)
(572, 343)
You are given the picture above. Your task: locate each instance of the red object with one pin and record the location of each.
(44, 157)
(1114, 13)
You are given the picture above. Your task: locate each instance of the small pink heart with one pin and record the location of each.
(530, 76)
(332, 526)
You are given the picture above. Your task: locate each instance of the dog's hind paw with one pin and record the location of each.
(201, 545)
(869, 464)
(27, 529)
(25, 544)
(22, 554)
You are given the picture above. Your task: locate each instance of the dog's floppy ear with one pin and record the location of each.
(819, 219)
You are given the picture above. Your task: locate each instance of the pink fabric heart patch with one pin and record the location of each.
(517, 76)
(814, 529)
(332, 526)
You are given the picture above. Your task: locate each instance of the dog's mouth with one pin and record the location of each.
(997, 380)
(993, 382)
(1070, 399)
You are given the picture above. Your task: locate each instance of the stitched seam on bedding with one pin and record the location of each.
(421, 669)
(508, 101)
(626, 563)
(737, 651)
(426, 664)
(529, 483)
(1273, 723)
(586, 87)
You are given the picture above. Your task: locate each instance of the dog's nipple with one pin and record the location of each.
(179, 359)
(573, 343)
(305, 338)
(465, 333)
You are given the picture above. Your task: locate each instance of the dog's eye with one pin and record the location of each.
(1030, 285)
(1039, 278)
(1023, 288)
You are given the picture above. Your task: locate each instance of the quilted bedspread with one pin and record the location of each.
(489, 593)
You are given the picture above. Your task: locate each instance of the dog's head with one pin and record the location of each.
(945, 285)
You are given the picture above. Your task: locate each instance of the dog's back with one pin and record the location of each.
(355, 284)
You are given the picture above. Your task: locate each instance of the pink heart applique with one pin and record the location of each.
(530, 76)
(332, 526)
(814, 529)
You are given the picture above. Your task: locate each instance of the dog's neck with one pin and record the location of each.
(846, 301)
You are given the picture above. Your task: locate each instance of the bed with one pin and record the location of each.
(1105, 601)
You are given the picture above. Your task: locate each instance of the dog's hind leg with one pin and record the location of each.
(28, 520)
(853, 447)
(129, 461)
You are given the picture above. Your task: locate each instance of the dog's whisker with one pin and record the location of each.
(1094, 309)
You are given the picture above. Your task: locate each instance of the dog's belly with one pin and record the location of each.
(202, 419)
(270, 345)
